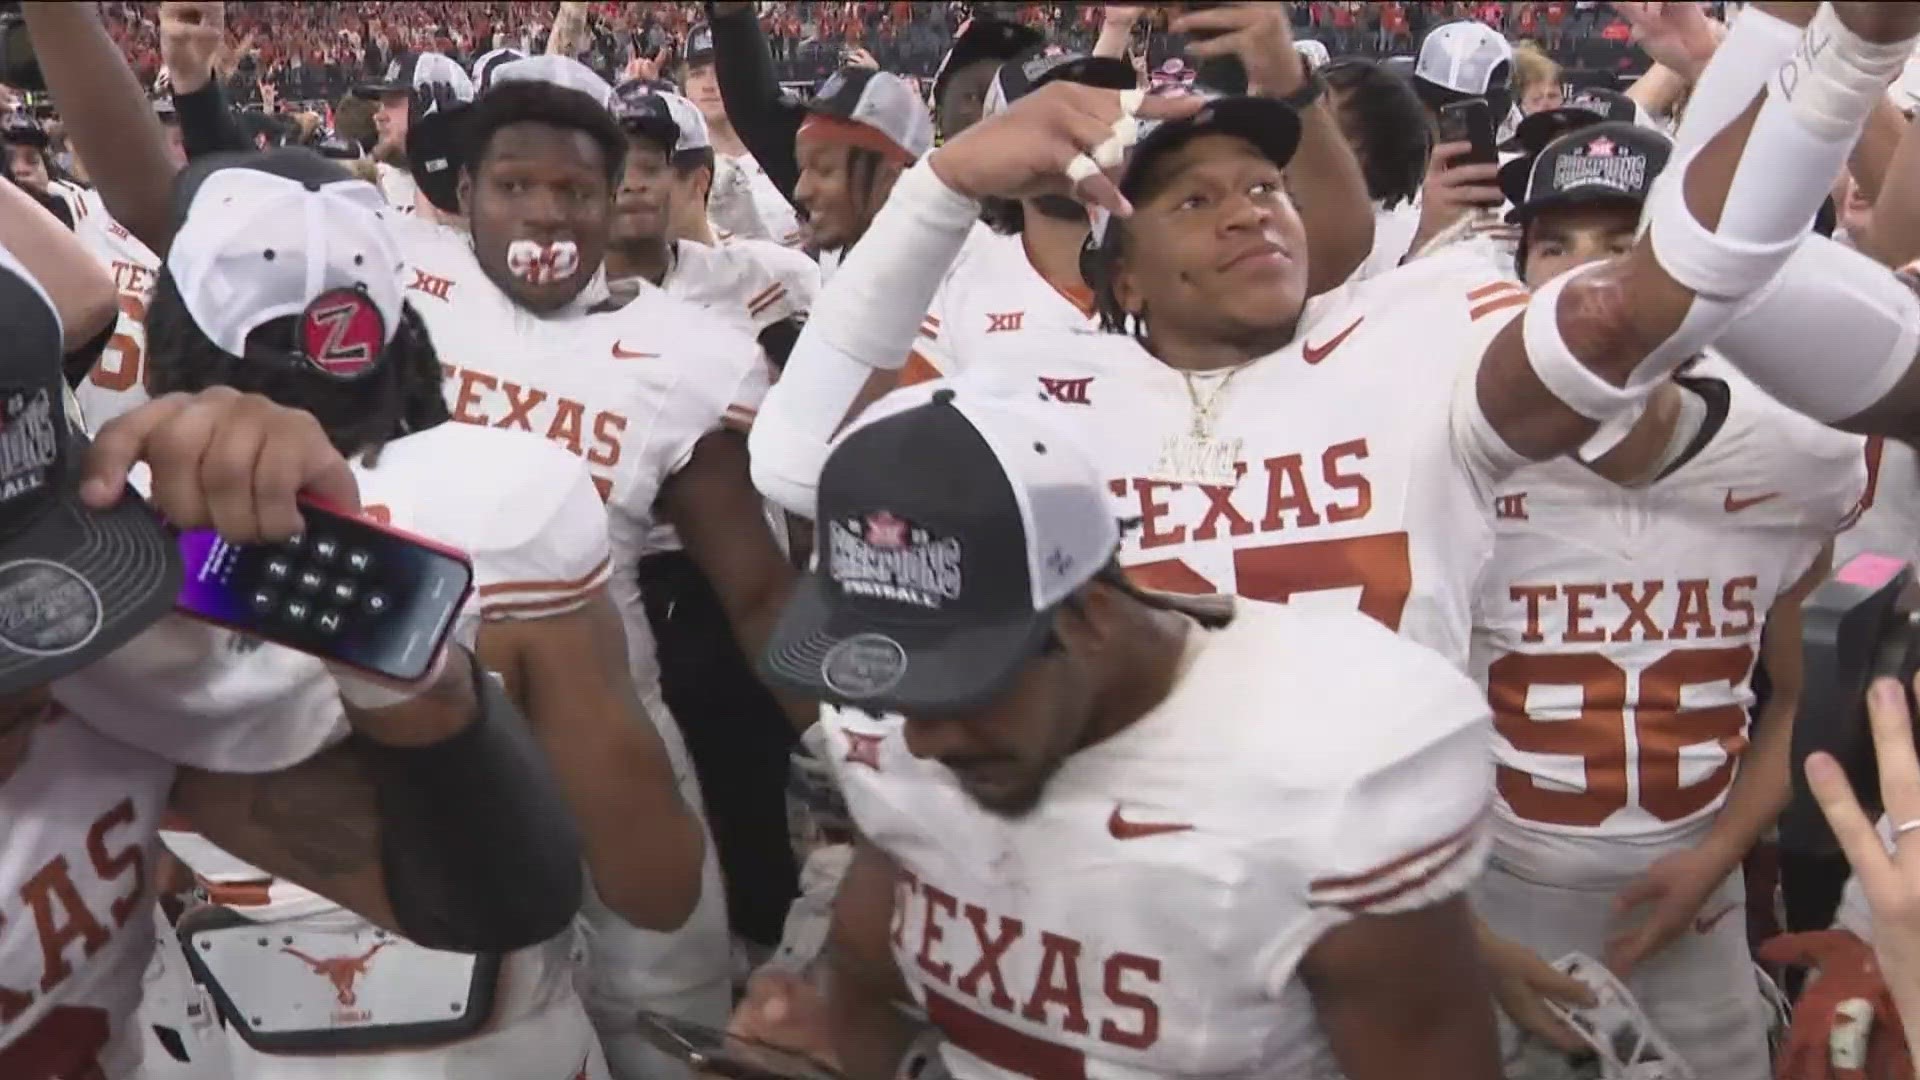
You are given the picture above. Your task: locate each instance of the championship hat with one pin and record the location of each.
(1532, 134)
(75, 583)
(1313, 52)
(484, 67)
(983, 38)
(1465, 59)
(1272, 127)
(433, 81)
(700, 44)
(653, 112)
(1018, 78)
(874, 110)
(950, 527)
(561, 71)
(288, 233)
(1607, 164)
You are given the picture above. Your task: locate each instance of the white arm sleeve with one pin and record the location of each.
(865, 320)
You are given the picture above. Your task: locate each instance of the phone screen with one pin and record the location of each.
(1470, 121)
(346, 590)
(708, 1050)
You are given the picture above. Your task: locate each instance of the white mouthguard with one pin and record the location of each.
(538, 264)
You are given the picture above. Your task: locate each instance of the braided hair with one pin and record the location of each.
(400, 396)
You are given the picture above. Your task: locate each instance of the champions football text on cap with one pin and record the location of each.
(75, 583)
(950, 529)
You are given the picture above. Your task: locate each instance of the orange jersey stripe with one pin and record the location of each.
(1499, 304)
(576, 585)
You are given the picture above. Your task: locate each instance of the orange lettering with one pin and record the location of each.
(1692, 610)
(991, 950)
(1355, 482)
(1152, 511)
(51, 885)
(111, 865)
(1578, 612)
(519, 409)
(1219, 505)
(1737, 598)
(1119, 965)
(1287, 491)
(1637, 611)
(1058, 983)
(930, 932)
(468, 398)
(1533, 595)
(565, 428)
(608, 428)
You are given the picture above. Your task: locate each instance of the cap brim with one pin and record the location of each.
(1577, 197)
(1106, 72)
(1533, 133)
(906, 668)
(1272, 127)
(128, 562)
(1003, 41)
(1512, 179)
(376, 91)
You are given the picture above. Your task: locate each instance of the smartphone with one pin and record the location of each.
(1470, 121)
(347, 590)
(710, 1050)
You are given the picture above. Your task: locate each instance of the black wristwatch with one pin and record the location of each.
(1312, 88)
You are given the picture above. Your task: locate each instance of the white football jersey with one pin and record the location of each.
(745, 203)
(82, 810)
(1149, 916)
(1362, 464)
(528, 516)
(1618, 627)
(631, 389)
(736, 283)
(117, 382)
(991, 298)
(1889, 522)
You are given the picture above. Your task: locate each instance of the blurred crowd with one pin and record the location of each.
(318, 50)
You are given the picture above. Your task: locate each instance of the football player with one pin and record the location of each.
(1085, 847)
(532, 520)
(110, 710)
(1378, 490)
(1618, 626)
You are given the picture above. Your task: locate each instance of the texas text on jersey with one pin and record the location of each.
(115, 384)
(1063, 942)
(1619, 626)
(1350, 463)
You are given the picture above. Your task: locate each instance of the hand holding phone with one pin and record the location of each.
(1471, 122)
(347, 589)
(718, 1053)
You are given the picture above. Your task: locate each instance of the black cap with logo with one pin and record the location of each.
(75, 583)
(1607, 164)
(950, 526)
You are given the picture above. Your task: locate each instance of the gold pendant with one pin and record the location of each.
(1194, 458)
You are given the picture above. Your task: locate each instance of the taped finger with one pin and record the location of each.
(1131, 100)
(1082, 168)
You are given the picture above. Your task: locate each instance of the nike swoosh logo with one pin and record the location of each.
(622, 354)
(1706, 923)
(1313, 354)
(1121, 829)
(1735, 505)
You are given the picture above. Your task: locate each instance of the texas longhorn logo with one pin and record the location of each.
(343, 972)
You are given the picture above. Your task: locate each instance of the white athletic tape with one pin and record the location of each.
(1131, 100)
(1836, 77)
(1711, 264)
(1081, 167)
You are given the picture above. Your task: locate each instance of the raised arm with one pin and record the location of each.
(765, 119)
(107, 117)
(1754, 160)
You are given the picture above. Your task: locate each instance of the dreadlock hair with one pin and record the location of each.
(542, 103)
(400, 396)
(1389, 124)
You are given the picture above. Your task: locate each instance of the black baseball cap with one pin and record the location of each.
(24, 130)
(1533, 133)
(1606, 164)
(75, 583)
(700, 44)
(1022, 76)
(950, 525)
(1271, 126)
(984, 38)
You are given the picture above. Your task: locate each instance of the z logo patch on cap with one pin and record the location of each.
(342, 333)
(863, 666)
